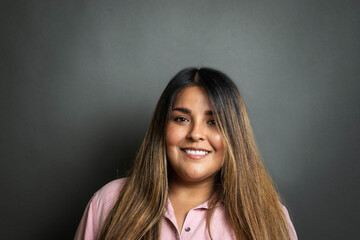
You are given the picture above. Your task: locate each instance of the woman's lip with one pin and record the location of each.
(195, 156)
(195, 149)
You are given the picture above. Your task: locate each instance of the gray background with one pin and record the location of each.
(80, 79)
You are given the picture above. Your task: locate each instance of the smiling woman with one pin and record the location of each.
(198, 174)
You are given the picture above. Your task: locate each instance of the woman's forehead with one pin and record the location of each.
(191, 97)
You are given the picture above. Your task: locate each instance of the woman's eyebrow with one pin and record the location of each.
(188, 111)
(184, 110)
(209, 112)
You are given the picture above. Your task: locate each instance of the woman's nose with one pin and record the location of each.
(196, 132)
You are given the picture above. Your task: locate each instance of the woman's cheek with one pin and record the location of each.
(217, 141)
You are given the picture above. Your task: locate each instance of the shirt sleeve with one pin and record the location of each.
(88, 227)
(97, 210)
(292, 231)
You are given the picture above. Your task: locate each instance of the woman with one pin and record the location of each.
(198, 173)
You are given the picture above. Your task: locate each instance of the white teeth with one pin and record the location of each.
(195, 152)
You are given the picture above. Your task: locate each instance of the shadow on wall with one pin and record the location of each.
(111, 152)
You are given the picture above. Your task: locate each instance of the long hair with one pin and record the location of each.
(243, 185)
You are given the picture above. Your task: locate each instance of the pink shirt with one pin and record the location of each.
(194, 226)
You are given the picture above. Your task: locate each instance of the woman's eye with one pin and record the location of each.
(212, 122)
(180, 119)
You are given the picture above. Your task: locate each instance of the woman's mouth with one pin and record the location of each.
(195, 153)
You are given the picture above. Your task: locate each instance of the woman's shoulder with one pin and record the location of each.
(111, 188)
(293, 235)
(98, 209)
(105, 198)
(108, 194)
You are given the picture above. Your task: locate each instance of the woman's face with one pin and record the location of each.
(194, 145)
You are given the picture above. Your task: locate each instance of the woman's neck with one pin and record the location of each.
(195, 193)
(185, 196)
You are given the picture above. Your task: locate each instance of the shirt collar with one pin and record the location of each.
(206, 205)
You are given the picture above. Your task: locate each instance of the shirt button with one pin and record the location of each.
(187, 229)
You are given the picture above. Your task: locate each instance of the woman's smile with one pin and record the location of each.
(195, 153)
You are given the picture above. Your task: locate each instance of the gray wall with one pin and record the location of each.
(80, 79)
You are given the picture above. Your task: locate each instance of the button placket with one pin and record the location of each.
(187, 223)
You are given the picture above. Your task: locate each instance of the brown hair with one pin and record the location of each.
(243, 184)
